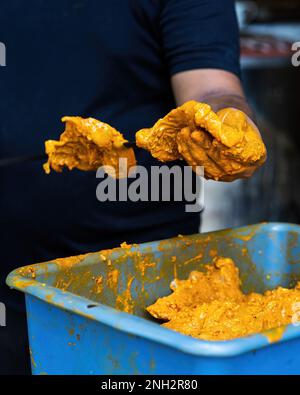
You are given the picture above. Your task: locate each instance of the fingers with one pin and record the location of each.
(233, 117)
(208, 120)
(198, 148)
(194, 147)
(228, 133)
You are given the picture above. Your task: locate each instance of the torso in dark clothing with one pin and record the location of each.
(111, 60)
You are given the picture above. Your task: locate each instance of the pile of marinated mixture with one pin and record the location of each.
(211, 305)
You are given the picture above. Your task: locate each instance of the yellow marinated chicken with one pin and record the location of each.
(226, 143)
(87, 144)
(211, 306)
(221, 281)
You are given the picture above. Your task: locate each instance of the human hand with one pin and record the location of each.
(226, 143)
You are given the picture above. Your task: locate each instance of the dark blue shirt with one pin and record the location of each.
(111, 60)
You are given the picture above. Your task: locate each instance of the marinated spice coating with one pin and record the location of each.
(226, 143)
(87, 144)
(211, 305)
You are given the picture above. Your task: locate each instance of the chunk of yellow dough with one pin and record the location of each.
(211, 306)
(87, 144)
(226, 143)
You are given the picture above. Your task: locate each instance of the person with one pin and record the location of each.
(125, 62)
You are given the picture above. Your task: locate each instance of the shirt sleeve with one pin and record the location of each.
(200, 34)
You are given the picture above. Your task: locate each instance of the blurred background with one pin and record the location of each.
(268, 28)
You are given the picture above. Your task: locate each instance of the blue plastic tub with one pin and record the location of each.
(76, 326)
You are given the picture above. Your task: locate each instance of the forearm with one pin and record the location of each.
(218, 88)
(219, 100)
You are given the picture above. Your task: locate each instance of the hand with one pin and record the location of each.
(226, 143)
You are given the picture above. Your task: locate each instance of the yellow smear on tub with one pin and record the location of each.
(70, 261)
(124, 300)
(49, 297)
(125, 245)
(113, 279)
(274, 335)
(98, 287)
(24, 283)
(27, 271)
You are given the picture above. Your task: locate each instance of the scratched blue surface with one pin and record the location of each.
(68, 336)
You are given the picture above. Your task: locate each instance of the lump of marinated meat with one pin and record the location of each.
(87, 144)
(225, 320)
(227, 144)
(211, 305)
(221, 281)
(161, 139)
